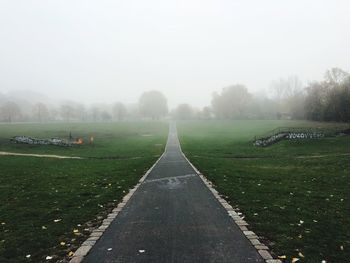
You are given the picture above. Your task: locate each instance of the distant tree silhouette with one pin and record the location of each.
(153, 104)
(105, 116)
(184, 112)
(206, 113)
(80, 112)
(40, 112)
(231, 103)
(289, 94)
(10, 111)
(119, 111)
(329, 100)
(67, 111)
(95, 113)
(336, 77)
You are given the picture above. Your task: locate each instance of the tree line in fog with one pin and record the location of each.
(324, 100)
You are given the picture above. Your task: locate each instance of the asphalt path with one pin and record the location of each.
(173, 217)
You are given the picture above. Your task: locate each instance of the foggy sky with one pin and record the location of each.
(106, 51)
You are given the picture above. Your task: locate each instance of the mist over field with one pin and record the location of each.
(174, 131)
(104, 52)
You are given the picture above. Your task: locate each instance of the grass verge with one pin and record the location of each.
(294, 194)
(49, 206)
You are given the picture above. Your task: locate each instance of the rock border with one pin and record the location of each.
(238, 219)
(86, 246)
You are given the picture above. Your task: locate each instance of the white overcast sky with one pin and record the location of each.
(106, 51)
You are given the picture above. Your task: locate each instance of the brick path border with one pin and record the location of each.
(262, 249)
(85, 247)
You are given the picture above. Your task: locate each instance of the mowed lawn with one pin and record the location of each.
(49, 206)
(294, 194)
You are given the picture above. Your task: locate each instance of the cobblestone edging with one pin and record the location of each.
(238, 219)
(84, 249)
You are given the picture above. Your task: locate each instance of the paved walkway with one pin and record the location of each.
(173, 217)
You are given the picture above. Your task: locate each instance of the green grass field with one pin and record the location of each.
(295, 194)
(77, 194)
(124, 139)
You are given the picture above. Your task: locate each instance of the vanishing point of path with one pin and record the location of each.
(173, 217)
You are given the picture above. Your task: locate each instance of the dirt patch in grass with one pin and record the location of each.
(40, 155)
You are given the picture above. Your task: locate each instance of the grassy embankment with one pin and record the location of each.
(295, 194)
(44, 200)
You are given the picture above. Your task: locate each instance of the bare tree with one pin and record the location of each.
(40, 112)
(316, 101)
(95, 113)
(329, 100)
(80, 112)
(289, 94)
(119, 111)
(10, 111)
(286, 88)
(54, 113)
(336, 76)
(67, 111)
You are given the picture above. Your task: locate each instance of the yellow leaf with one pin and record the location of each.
(62, 243)
(295, 260)
(282, 257)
